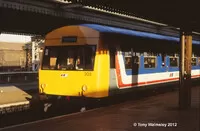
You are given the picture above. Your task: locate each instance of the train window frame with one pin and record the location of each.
(170, 61)
(132, 55)
(194, 61)
(154, 62)
(137, 62)
(199, 61)
(73, 60)
(130, 62)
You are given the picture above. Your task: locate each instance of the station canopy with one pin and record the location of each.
(177, 13)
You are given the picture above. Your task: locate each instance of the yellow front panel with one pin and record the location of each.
(71, 82)
(68, 83)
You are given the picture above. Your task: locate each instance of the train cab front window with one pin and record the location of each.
(69, 58)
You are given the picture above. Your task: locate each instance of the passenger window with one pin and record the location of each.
(194, 61)
(128, 60)
(131, 59)
(149, 62)
(199, 61)
(173, 62)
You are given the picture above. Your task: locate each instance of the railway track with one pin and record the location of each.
(62, 107)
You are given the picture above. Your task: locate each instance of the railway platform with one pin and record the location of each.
(154, 113)
(15, 94)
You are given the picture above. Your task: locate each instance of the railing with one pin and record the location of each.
(23, 76)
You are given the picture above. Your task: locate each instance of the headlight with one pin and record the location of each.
(42, 86)
(84, 88)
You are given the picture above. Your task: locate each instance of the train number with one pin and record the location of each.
(88, 74)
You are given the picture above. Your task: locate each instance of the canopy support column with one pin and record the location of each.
(185, 70)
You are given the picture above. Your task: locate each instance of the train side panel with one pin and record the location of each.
(122, 80)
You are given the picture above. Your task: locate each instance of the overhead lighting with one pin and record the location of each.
(125, 15)
(197, 33)
(61, 1)
(72, 6)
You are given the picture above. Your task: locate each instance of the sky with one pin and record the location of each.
(14, 38)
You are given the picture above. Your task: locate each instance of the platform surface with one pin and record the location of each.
(16, 93)
(148, 114)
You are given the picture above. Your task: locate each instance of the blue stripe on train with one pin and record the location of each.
(110, 29)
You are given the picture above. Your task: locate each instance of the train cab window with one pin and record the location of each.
(194, 61)
(66, 60)
(53, 62)
(149, 62)
(173, 61)
(89, 53)
(50, 58)
(69, 58)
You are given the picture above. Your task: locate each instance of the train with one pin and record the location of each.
(98, 61)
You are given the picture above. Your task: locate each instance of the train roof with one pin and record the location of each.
(109, 29)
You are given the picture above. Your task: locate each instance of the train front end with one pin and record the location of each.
(72, 64)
